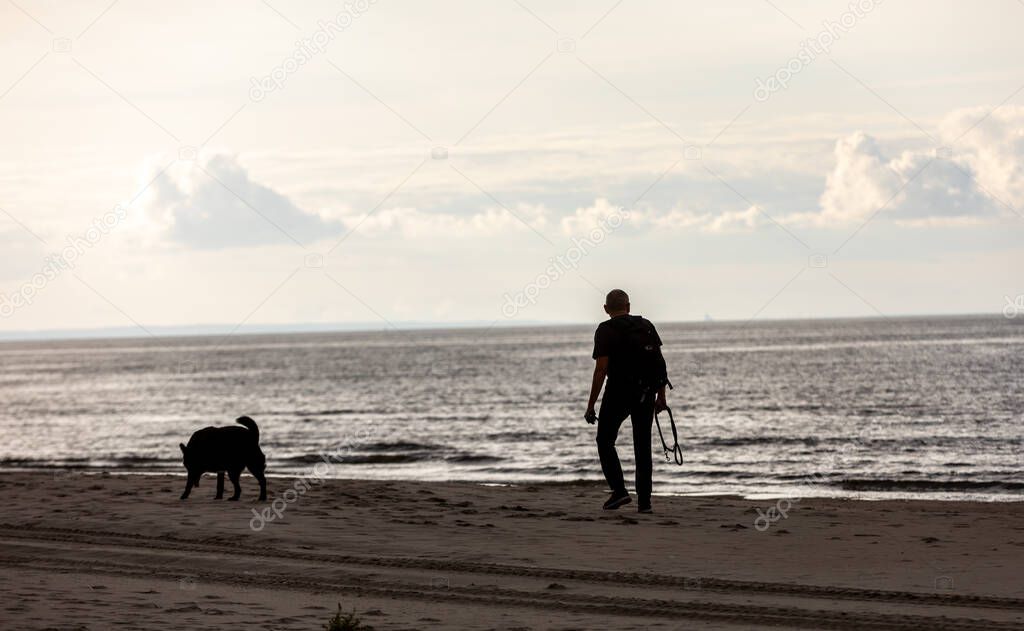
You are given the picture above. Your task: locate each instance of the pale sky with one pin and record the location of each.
(435, 161)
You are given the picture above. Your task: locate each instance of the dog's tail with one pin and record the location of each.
(249, 425)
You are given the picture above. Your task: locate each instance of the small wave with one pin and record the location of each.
(127, 462)
(303, 460)
(382, 458)
(804, 477)
(400, 446)
(927, 486)
(92, 464)
(43, 462)
(519, 437)
(471, 458)
(300, 459)
(330, 412)
(405, 452)
(141, 460)
(744, 441)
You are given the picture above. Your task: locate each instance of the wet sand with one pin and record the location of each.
(122, 551)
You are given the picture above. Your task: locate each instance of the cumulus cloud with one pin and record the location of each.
(736, 221)
(416, 223)
(977, 178)
(586, 219)
(583, 220)
(214, 203)
(860, 182)
(971, 181)
(994, 147)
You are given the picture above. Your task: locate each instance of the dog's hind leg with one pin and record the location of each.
(234, 475)
(220, 485)
(262, 479)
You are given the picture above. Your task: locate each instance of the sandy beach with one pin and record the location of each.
(103, 551)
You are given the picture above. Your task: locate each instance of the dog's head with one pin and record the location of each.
(187, 458)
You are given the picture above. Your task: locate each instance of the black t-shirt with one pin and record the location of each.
(608, 341)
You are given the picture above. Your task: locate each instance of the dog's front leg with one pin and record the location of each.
(220, 485)
(189, 483)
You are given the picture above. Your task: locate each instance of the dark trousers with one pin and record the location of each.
(615, 407)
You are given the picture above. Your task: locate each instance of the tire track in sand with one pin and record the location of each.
(223, 545)
(491, 596)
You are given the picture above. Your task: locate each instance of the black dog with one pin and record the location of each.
(220, 449)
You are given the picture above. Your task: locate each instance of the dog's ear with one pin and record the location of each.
(182, 445)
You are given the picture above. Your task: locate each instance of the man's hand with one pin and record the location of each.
(660, 403)
(591, 415)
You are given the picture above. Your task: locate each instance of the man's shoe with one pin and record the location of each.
(616, 501)
(645, 509)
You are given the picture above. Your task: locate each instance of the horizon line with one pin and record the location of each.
(226, 330)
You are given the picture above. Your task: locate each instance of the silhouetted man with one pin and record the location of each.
(628, 352)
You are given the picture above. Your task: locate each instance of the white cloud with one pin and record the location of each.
(981, 173)
(738, 220)
(994, 147)
(214, 203)
(191, 205)
(415, 223)
(860, 182)
(583, 220)
(586, 219)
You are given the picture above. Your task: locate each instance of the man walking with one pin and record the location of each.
(627, 350)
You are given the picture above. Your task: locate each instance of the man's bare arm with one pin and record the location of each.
(600, 372)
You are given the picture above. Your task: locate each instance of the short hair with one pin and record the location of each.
(617, 300)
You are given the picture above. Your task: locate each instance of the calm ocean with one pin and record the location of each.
(909, 407)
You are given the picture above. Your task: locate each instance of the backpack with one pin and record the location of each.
(643, 363)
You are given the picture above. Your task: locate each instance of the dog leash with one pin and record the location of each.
(677, 451)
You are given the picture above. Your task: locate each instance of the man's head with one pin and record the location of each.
(616, 302)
